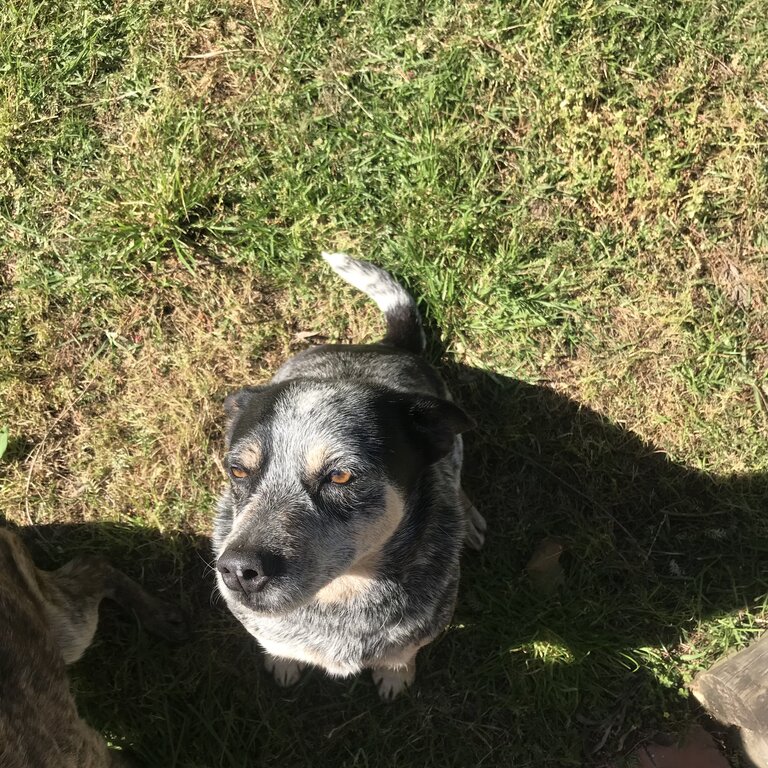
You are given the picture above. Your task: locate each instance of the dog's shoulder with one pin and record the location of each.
(39, 721)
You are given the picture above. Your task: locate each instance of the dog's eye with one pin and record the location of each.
(340, 476)
(238, 472)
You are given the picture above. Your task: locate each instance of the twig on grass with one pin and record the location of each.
(222, 52)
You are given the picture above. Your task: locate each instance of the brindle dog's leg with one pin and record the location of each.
(121, 760)
(476, 525)
(72, 595)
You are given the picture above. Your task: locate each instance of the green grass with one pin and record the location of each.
(577, 193)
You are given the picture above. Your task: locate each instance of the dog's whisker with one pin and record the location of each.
(210, 567)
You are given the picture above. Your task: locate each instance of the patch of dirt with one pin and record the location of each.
(212, 64)
(697, 749)
(126, 427)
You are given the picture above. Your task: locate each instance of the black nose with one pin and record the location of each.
(248, 571)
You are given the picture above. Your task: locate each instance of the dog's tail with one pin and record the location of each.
(404, 328)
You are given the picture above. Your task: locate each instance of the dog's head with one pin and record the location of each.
(319, 477)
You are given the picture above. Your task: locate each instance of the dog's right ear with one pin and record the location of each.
(234, 405)
(430, 423)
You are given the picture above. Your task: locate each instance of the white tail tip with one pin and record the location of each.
(336, 260)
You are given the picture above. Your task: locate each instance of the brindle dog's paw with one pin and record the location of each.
(124, 760)
(285, 671)
(392, 682)
(165, 620)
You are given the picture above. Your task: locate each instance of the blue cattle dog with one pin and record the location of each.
(339, 535)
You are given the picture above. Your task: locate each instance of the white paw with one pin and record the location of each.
(392, 682)
(476, 527)
(285, 671)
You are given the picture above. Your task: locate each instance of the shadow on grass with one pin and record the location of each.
(519, 680)
(651, 546)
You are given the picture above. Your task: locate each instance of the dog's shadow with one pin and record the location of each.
(525, 676)
(649, 547)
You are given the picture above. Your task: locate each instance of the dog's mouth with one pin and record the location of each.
(275, 596)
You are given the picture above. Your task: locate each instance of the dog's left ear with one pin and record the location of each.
(433, 425)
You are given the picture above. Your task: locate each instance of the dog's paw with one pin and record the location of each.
(392, 682)
(285, 671)
(476, 528)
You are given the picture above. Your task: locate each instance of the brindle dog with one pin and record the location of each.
(47, 620)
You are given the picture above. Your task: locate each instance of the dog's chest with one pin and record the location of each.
(342, 639)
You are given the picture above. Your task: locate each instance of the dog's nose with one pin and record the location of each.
(247, 572)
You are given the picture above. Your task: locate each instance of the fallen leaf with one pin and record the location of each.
(544, 568)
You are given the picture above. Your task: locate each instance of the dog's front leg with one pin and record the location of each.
(163, 619)
(391, 681)
(72, 595)
(285, 671)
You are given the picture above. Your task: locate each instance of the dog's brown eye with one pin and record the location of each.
(340, 476)
(238, 472)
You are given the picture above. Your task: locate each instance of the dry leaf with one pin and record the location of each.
(544, 568)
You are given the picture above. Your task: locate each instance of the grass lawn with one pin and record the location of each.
(576, 192)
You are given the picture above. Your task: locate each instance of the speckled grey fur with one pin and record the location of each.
(381, 412)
